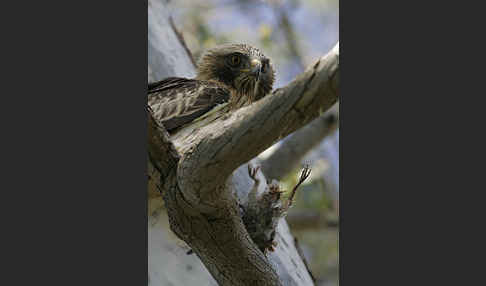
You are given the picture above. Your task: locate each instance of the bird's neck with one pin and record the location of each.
(238, 98)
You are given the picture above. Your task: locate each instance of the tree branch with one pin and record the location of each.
(166, 53)
(287, 157)
(163, 155)
(214, 238)
(201, 205)
(247, 132)
(204, 212)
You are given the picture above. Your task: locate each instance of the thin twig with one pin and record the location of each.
(182, 41)
(303, 176)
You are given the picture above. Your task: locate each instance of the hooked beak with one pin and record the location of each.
(255, 68)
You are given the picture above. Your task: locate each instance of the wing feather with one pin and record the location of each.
(177, 101)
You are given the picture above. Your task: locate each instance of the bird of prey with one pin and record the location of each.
(233, 74)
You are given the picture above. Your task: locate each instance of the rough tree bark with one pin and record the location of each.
(197, 168)
(167, 259)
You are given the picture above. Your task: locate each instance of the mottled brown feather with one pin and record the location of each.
(178, 101)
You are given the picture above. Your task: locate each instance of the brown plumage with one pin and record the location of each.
(236, 74)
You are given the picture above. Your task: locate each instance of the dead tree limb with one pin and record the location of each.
(241, 136)
(201, 206)
(199, 192)
(288, 156)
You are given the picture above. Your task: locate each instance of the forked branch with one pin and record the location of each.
(215, 147)
(200, 202)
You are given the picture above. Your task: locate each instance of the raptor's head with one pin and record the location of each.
(241, 67)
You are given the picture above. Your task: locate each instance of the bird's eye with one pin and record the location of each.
(235, 60)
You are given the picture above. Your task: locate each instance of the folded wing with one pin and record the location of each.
(178, 101)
